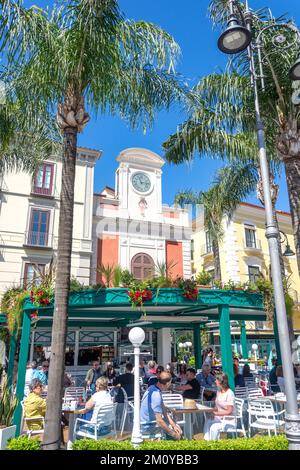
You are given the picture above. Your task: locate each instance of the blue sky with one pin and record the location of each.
(188, 22)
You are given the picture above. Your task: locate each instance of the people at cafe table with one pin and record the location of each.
(224, 406)
(192, 388)
(154, 415)
(99, 398)
(35, 405)
(93, 375)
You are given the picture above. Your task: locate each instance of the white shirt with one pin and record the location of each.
(101, 398)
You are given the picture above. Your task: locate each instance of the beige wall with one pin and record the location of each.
(17, 202)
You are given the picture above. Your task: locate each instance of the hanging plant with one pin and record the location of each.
(189, 287)
(265, 287)
(12, 306)
(138, 294)
(41, 296)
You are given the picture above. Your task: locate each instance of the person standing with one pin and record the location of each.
(92, 376)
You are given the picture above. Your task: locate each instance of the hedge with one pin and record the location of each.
(255, 443)
(23, 443)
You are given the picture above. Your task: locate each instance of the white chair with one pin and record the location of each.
(262, 416)
(74, 393)
(175, 401)
(105, 417)
(250, 381)
(254, 393)
(241, 392)
(128, 409)
(235, 422)
(37, 420)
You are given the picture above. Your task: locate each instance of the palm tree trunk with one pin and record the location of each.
(217, 263)
(292, 172)
(52, 433)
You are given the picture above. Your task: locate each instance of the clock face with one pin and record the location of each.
(141, 182)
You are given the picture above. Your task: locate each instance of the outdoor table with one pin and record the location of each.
(71, 418)
(188, 427)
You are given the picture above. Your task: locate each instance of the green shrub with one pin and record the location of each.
(255, 443)
(91, 444)
(23, 443)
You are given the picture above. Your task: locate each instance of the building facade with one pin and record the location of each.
(244, 254)
(127, 226)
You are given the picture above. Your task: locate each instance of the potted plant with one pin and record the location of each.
(204, 279)
(7, 408)
(138, 294)
(265, 287)
(189, 287)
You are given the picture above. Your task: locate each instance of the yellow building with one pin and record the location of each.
(244, 254)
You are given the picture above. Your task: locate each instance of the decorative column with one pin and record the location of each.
(197, 346)
(22, 368)
(225, 340)
(244, 339)
(164, 346)
(76, 352)
(32, 346)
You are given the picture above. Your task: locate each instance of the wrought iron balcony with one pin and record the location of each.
(38, 239)
(42, 191)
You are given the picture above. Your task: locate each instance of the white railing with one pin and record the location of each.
(38, 239)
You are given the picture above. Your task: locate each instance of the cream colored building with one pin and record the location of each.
(244, 252)
(29, 216)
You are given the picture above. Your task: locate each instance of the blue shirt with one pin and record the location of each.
(205, 380)
(151, 403)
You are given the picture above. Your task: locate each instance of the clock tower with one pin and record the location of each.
(138, 185)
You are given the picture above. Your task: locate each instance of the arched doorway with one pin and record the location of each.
(142, 266)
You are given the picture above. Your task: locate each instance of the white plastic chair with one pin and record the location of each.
(24, 420)
(175, 401)
(254, 393)
(241, 392)
(235, 422)
(250, 381)
(74, 393)
(262, 416)
(128, 409)
(105, 417)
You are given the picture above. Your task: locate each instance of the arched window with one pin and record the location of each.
(142, 266)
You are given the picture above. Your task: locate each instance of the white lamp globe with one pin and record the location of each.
(180, 345)
(136, 336)
(254, 347)
(188, 344)
(298, 340)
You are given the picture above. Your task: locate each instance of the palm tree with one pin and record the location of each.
(230, 179)
(219, 201)
(83, 51)
(221, 121)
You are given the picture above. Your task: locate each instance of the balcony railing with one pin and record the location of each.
(38, 239)
(42, 191)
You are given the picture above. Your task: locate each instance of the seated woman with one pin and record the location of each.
(110, 372)
(181, 377)
(35, 405)
(224, 407)
(97, 400)
(280, 378)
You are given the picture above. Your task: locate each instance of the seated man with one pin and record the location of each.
(206, 380)
(192, 388)
(34, 405)
(153, 412)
